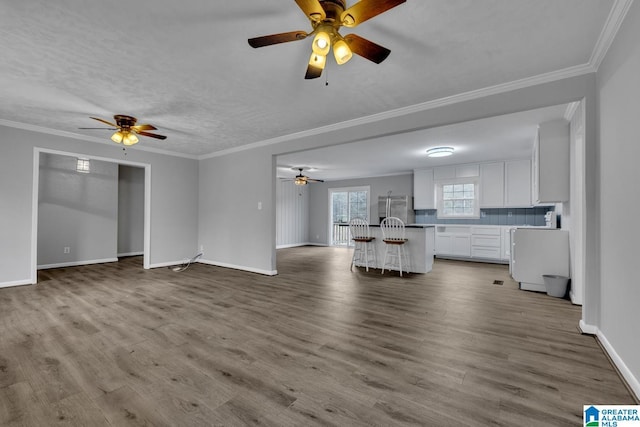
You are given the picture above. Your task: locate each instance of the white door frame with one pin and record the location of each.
(36, 190)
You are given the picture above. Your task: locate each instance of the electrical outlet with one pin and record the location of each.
(259, 206)
(67, 249)
(201, 248)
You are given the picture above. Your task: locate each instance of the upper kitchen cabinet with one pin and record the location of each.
(423, 189)
(458, 171)
(517, 183)
(550, 169)
(492, 185)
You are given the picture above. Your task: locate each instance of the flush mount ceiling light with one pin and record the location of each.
(440, 151)
(327, 17)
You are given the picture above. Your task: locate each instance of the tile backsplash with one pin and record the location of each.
(498, 216)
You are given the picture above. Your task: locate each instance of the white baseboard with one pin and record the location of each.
(16, 283)
(77, 263)
(292, 245)
(167, 264)
(239, 267)
(588, 329)
(630, 378)
(297, 245)
(130, 254)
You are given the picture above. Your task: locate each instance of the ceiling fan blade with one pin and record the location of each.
(313, 9)
(144, 127)
(277, 38)
(365, 10)
(367, 49)
(101, 128)
(104, 121)
(313, 72)
(152, 135)
(314, 180)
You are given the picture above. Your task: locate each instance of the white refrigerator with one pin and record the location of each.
(538, 251)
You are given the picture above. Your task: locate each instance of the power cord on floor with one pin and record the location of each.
(186, 265)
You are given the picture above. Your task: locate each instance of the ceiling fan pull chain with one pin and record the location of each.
(326, 76)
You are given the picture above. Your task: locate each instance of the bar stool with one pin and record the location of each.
(393, 236)
(364, 249)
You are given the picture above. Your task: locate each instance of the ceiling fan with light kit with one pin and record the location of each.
(301, 179)
(126, 129)
(327, 17)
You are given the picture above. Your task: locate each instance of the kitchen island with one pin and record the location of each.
(420, 247)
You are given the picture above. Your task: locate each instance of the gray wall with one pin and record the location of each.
(319, 200)
(619, 92)
(76, 210)
(16, 207)
(130, 210)
(233, 230)
(174, 199)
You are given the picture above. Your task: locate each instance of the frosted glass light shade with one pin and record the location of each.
(130, 139)
(341, 52)
(117, 137)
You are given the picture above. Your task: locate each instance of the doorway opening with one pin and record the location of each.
(76, 215)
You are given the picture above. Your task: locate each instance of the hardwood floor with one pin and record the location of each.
(114, 345)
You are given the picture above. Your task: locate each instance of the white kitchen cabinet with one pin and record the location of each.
(492, 185)
(444, 244)
(517, 183)
(423, 189)
(457, 171)
(506, 243)
(444, 172)
(467, 171)
(478, 242)
(453, 241)
(550, 169)
(461, 245)
(486, 242)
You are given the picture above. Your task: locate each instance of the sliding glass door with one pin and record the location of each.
(344, 205)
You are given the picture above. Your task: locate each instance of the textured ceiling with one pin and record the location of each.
(186, 67)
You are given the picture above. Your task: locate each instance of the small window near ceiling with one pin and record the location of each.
(83, 166)
(458, 199)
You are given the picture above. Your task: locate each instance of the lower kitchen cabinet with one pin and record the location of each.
(475, 243)
(486, 242)
(453, 244)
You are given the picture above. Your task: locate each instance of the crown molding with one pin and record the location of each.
(416, 108)
(71, 135)
(611, 27)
